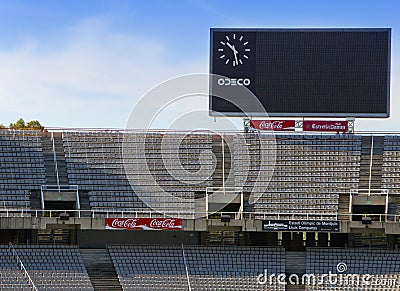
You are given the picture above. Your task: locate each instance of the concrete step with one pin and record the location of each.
(101, 270)
(295, 263)
(290, 287)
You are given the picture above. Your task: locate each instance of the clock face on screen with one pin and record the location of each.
(233, 49)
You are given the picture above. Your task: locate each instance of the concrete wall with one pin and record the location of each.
(199, 225)
(99, 239)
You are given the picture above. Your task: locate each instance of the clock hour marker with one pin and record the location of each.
(232, 49)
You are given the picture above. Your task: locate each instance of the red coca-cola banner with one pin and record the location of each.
(144, 223)
(274, 125)
(319, 125)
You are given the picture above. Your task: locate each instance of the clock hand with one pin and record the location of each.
(232, 47)
(236, 59)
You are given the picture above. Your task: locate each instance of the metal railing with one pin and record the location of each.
(22, 267)
(55, 159)
(60, 188)
(369, 192)
(194, 215)
(186, 268)
(370, 165)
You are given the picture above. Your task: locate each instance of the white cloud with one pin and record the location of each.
(92, 80)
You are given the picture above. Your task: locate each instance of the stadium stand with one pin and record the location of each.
(391, 164)
(381, 264)
(310, 173)
(302, 176)
(95, 164)
(21, 168)
(180, 180)
(208, 268)
(50, 267)
(11, 277)
(233, 268)
(149, 267)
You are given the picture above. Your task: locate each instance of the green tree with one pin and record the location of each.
(34, 124)
(31, 125)
(20, 124)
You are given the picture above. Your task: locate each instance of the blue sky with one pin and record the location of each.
(86, 63)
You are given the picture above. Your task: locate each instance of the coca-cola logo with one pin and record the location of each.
(126, 223)
(166, 223)
(272, 125)
(144, 223)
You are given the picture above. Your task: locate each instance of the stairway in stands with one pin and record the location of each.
(344, 203)
(54, 159)
(222, 153)
(394, 206)
(49, 163)
(84, 203)
(377, 161)
(60, 155)
(295, 263)
(100, 269)
(36, 202)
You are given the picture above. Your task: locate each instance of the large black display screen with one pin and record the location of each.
(302, 72)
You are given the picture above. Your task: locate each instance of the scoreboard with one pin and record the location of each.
(301, 72)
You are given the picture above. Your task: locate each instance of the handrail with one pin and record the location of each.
(370, 165)
(21, 265)
(185, 215)
(369, 192)
(55, 161)
(64, 188)
(239, 214)
(186, 268)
